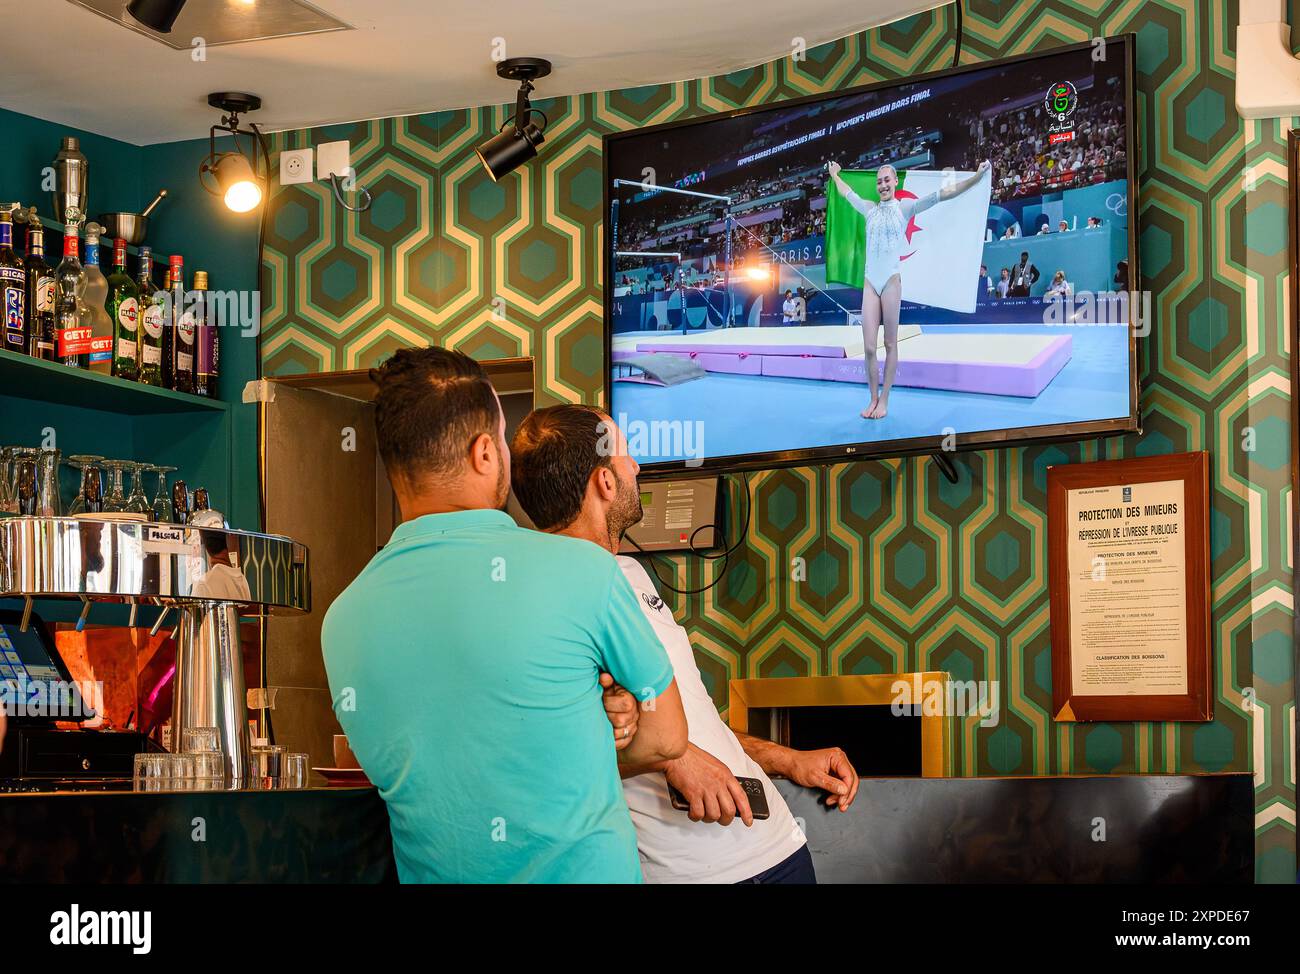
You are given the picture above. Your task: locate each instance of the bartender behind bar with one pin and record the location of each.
(466, 660)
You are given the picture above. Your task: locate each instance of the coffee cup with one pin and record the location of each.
(343, 756)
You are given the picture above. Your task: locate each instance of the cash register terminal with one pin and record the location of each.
(37, 692)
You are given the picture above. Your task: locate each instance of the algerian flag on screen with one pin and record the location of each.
(946, 242)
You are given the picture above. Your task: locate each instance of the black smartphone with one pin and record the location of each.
(753, 791)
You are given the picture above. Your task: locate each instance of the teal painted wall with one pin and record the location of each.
(219, 455)
(197, 225)
(30, 144)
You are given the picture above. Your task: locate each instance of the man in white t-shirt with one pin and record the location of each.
(788, 309)
(572, 475)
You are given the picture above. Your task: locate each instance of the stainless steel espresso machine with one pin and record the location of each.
(204, 577)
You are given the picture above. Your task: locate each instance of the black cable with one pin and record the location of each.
(690, 542)
(267, 731)
(960, 29)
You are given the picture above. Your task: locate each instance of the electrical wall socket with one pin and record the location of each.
(332, 158)
(295, 166)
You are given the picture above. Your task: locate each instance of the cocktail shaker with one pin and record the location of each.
(71, 174)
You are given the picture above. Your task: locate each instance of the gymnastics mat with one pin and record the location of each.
(997, 363)
(828, 341)
(1000, 364)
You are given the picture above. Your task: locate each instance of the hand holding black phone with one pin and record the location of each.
(753, 791)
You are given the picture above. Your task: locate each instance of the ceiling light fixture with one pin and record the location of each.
(234, 174)
(157, 15)
(516, 143)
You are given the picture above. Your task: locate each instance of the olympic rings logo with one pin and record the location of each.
(1117, 203)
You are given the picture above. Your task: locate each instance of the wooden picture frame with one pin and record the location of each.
(1073, 703)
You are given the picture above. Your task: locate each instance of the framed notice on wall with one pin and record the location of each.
(1128, 560)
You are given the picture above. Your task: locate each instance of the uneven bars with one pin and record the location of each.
(652, 188)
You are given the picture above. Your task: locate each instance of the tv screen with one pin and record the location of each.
(965, 235)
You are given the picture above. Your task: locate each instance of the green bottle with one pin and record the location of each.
(124, 308)
(152, 316)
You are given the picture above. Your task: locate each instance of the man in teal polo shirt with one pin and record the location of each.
(465, 660)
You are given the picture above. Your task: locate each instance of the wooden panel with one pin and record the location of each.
(322, 495)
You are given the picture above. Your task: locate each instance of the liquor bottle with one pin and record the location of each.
(181, 502)
(94, 312)
(182, 329)
(13, 288)
(208, 354)
(164, 298)
(39, 293)
(151, 322)
(72, 338)
(92, 500)
(124, 310)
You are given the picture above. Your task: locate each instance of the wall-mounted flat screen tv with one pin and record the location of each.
(966, 239)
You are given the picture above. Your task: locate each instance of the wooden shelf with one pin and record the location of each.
(25, 377)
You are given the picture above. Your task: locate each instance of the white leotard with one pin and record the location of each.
(886, 240)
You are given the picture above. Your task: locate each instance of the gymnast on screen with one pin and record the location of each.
(882, 290)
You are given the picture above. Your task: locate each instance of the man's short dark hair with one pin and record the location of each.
(431, 405)
(552, 457)
(1024, 253)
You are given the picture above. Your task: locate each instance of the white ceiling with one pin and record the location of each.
(405, 57)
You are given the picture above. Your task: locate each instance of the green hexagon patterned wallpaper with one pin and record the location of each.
(900, 569)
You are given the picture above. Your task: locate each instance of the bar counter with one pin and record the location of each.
(314, 835)
(1125, 828)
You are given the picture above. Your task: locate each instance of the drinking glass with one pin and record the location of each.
(8, 502)
(48, 501)
(209, 770)
(114, 497)
(90, 483)
(180, 772)
(162, 503)
(265, 763)
(137, 503)
(293, 770)
(195, 740)
(149, 772)
(25, 481)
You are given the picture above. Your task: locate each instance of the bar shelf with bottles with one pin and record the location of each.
(121, 325)
(30, 365)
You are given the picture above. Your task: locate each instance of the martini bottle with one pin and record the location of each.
(124, 310)
(178, 355)
(152, 316)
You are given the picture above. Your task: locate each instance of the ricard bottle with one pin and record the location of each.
(152, 317)
(124, 310)
(13, 289)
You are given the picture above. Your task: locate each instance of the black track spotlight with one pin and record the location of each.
(519, 137)
(234, 175)
(157, 15)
